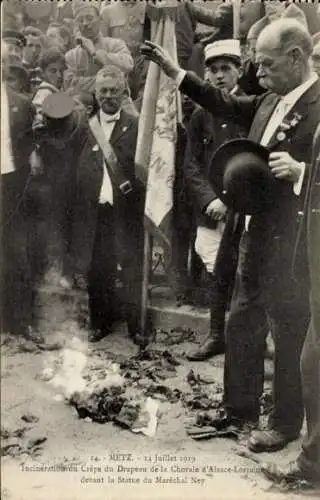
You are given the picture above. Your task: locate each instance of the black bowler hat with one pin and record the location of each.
(241, 177)
(15, 36)
(58, 106)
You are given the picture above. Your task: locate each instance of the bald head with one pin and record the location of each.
(286, 35)
(283, 55)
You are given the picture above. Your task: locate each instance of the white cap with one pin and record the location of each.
(223, 48)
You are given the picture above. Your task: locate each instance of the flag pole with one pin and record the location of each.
(142, 338)
(156, 14)
(236, 4)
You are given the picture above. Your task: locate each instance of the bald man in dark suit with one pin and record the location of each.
(274, 279)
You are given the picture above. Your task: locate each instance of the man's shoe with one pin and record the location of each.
(208, 349)
(98, 334)
(291, 473)
(269, 440)
(31, 334)
(65, 283)
(225, 419)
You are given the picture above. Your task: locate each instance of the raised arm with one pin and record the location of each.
(239, 109)
(116, 52)
(203, 15)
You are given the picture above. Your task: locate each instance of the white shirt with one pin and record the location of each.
(7, 162)
(284, 106)
(107, 123)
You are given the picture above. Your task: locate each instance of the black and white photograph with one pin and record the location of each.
(160, 249)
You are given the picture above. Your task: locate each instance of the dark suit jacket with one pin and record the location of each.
(205, 134)
(128, 209)
(278, 227)
(21, 114)
(16, 290)
(313, 205)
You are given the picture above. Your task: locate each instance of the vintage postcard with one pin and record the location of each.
(160, 249)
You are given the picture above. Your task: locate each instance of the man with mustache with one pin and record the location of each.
(108, 228)
(274, 280)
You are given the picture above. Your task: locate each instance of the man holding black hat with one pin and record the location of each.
(205, 134)
(273, 275)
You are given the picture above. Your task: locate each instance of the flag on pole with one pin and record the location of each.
(157, 135)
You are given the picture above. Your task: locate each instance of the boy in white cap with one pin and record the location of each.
(206, 134)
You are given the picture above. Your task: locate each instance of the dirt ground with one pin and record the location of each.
(90, 453)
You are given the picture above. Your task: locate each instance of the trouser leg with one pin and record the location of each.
(130, 240)
(289, 310)
(245, 341)
(309, 458)
(102, 274)
(287, 414)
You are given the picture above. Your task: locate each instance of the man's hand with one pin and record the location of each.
(35, 162)
(216, 209)
(283, 166)
(87, 45)
(158, 55)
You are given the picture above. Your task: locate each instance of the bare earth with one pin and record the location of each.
(89, 449)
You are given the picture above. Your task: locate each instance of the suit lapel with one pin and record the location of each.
(300, 110)
(120, 128)
(263, 116)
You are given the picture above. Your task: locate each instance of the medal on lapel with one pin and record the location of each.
(287, 125)
(281, 136)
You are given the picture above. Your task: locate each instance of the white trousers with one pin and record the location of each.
(207, 244)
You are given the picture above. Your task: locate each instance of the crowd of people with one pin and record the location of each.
(73, 207)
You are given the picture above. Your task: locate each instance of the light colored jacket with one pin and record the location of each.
(108, 51)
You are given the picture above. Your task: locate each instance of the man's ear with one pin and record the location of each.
(296, 54)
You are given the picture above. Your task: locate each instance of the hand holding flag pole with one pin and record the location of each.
(161, 57)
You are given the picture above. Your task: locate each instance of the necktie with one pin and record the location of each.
(275, 120)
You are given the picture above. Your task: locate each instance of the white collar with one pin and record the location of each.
(105, 117)
(292, 97)
(234, 90)
(47, 84)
